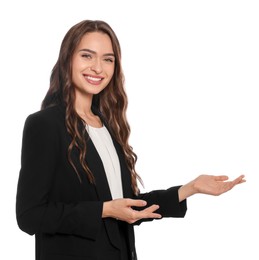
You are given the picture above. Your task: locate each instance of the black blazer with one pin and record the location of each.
(65, 214)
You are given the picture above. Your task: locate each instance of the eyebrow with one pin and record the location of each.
(94, 52)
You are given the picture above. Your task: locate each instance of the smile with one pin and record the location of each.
(93, 80)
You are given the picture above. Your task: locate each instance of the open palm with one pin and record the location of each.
(215, 185)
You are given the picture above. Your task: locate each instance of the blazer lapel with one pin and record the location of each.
(95, 164)
(125, 174)
(102, 188)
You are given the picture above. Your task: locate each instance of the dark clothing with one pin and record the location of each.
(65, 214)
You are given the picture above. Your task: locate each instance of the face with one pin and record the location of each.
(93, 64)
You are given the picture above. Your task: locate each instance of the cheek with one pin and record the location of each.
(77, 64)
(76, 70)
(76, 67)
(76, 76)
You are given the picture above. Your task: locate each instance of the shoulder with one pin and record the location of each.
(48, 114)
(46, 119)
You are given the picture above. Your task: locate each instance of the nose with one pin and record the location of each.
(96, 66)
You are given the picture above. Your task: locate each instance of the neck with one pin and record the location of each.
(83, 104)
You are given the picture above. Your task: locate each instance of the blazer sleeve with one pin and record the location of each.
(34, 211)
(168, 201)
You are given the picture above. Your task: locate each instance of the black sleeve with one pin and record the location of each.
(168, 201)
(34, 211)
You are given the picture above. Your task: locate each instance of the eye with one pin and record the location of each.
(87, 55)
(110, 60)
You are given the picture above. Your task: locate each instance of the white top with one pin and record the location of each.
(104, 145)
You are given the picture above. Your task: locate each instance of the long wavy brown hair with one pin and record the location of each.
(111, 102)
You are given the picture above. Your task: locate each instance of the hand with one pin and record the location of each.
(215, 185)
(208, 184)
(122, 209)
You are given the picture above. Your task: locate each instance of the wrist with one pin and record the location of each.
(106, 209)
(187, 190)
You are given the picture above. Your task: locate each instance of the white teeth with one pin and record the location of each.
(93, 79)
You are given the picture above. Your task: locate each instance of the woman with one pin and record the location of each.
(77, 189)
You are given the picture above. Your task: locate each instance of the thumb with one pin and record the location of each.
(221, 178)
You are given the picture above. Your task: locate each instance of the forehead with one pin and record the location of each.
(96, 41)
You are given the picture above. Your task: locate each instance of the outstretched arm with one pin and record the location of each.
(208, 184)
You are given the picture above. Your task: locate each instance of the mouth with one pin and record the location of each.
(94, 80)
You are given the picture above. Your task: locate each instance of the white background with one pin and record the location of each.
(191, 72)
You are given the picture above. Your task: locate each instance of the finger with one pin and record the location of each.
(221, 178)
(239, 179)
(242, 177)
(149, 212)
(151, 209)
(230, 184)
(135, 203)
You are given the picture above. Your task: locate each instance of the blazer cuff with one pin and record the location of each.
(170, 205)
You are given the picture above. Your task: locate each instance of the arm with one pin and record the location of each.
(167, 203)
(34, 210)
(145, 207)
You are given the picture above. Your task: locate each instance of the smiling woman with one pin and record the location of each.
(78, 188)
